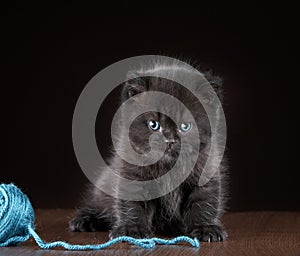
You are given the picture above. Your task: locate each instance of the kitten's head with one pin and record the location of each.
(161, 127)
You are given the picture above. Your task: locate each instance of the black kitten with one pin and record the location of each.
(189, 209)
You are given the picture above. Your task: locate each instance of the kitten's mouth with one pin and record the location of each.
(170, 155)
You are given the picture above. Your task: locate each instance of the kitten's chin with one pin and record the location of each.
(169, 157)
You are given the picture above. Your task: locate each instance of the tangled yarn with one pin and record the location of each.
(17, 225)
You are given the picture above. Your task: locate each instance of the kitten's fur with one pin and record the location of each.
(188, 210)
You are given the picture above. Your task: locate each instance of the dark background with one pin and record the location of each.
(51, 52)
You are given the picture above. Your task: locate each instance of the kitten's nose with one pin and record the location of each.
(170, 143)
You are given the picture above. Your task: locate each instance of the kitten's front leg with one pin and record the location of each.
(201, 216)
(133, 219)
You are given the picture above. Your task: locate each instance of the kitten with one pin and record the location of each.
(189, 209)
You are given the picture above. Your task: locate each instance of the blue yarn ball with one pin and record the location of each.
(16, 215)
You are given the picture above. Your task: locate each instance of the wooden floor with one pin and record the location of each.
(257, 233)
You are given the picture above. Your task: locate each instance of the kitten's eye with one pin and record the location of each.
(185, 127)
(153, 125)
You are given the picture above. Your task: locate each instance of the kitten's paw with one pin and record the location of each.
(133, 231)
(209, 233)
(82, 224)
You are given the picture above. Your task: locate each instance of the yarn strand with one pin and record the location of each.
(146, 243)
(17, 225)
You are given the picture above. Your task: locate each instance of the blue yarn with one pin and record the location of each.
(17, 225)
(16, 214)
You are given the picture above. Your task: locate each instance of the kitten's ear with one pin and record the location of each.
(134, 85)
(216, 83)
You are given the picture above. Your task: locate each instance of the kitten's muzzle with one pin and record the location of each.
(170, 143)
